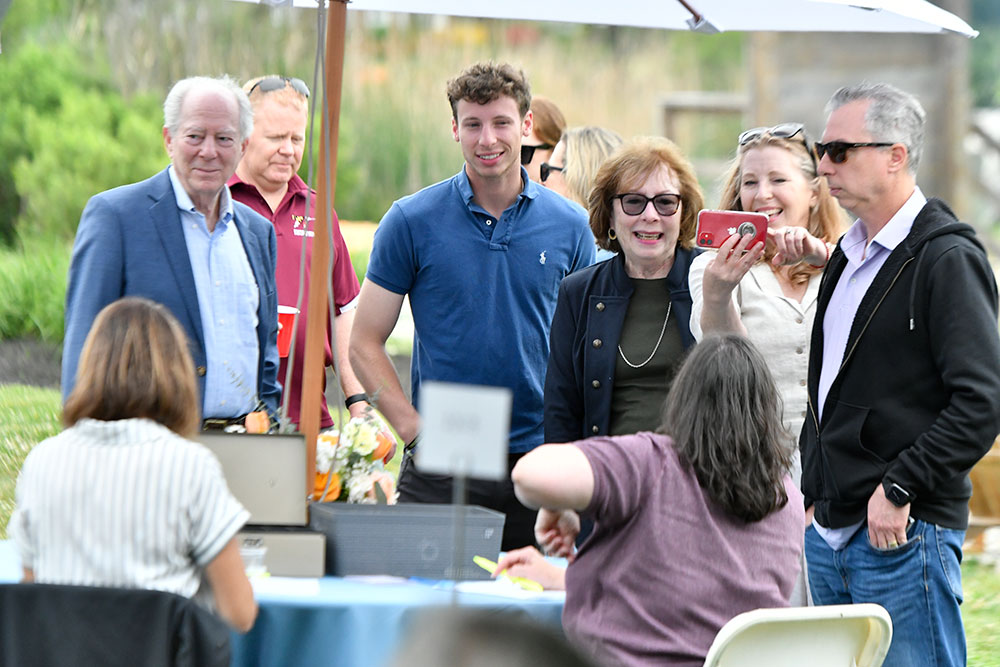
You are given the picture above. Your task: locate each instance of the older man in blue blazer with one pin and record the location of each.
(179, 238)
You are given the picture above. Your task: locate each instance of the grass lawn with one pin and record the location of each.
(30, 414)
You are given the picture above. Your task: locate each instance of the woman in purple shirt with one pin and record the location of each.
(693, 525)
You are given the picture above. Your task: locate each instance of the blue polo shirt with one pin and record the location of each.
(482, 290)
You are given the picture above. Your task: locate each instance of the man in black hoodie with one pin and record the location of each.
(904, 383)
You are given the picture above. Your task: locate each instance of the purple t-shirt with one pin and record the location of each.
(666, 567)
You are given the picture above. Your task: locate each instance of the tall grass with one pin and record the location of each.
(29, 415)
(33, 290)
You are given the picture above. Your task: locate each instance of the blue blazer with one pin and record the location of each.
(130, 243)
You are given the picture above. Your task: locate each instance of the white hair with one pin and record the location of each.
(223, 84)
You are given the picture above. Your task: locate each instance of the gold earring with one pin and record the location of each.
(611, 234)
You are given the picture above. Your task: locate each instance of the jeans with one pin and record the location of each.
(919, 583)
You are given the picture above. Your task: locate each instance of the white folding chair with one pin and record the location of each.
(848, 635)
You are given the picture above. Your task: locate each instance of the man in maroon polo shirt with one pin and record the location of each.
(267, 180)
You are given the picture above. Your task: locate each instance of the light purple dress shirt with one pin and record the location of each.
(853, 284)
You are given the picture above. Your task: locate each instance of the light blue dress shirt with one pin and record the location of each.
(228, 298)
(853, 284)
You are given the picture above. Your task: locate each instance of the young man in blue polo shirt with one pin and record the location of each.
(480, 256)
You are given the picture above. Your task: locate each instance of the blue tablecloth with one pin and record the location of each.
(346, 622)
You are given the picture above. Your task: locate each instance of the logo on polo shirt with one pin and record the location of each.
(299, 224)
(541, 258)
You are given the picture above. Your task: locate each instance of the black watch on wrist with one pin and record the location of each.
(896, 494)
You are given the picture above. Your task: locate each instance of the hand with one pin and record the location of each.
(886, 522)
(809, 514)
(529, 562)
(358, 409)
(556, 531)
(731, 263)
(794, 244)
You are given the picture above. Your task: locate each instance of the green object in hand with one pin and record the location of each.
(490, 566)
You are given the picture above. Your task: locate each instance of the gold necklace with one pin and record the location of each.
(655, 348)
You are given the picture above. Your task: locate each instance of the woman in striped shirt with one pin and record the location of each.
(122, 497)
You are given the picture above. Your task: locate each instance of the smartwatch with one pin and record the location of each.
(896, 494)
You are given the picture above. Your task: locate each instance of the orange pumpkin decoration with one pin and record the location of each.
(257, 422)
(333, 493)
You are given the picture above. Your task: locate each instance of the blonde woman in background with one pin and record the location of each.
(751, 290)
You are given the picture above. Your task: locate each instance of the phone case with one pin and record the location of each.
(714, 227)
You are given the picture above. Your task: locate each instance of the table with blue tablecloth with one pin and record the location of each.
(347, 621)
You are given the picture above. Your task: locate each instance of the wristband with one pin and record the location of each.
(355, 398)
(825, 261)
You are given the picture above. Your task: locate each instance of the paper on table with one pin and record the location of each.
(507, 589)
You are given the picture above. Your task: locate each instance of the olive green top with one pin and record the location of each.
(638, 394)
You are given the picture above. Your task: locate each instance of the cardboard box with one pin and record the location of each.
(406, 540)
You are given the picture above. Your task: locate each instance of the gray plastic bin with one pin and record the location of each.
(406, 540)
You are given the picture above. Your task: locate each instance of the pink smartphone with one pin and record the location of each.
(714, 227)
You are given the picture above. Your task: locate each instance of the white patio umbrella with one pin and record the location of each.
(708, 16)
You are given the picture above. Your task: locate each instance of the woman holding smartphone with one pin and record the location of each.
(754, 291)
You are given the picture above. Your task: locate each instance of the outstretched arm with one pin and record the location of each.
(555, 477)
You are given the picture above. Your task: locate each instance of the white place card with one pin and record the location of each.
(465, 429)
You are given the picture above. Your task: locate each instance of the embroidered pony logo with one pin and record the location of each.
(541, 258)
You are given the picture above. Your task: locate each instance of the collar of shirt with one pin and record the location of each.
(890, 236)
(185, 204)
(528, 190)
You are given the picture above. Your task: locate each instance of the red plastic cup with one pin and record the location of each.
(286, 317)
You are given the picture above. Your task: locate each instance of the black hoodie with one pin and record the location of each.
(917, 398)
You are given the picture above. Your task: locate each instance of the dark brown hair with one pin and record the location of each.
(826, 218)
(628, 168)
(548, 121)
(135, 363)
(484, 82)
(723, 413)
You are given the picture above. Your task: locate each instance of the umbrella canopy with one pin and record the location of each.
(906, 16)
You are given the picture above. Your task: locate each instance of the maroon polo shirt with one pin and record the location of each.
(292, 229)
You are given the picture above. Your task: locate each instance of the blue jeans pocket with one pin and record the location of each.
(914, 535)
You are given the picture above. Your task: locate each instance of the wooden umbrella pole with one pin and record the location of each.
(319, 271)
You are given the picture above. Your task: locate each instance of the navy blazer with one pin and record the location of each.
(584, 338)
(130, 243)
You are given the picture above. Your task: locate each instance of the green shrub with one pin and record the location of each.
(33, 285)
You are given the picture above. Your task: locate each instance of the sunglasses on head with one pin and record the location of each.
(837, 150)
(528, 152)
(271, 83)
(782, 131)
(634, 203)
(545, 170)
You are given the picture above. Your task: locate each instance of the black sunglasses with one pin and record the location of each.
(545, 170)
(270, 83)
(838, 149)
(782, 131)
(528, 152)
(634, 203)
